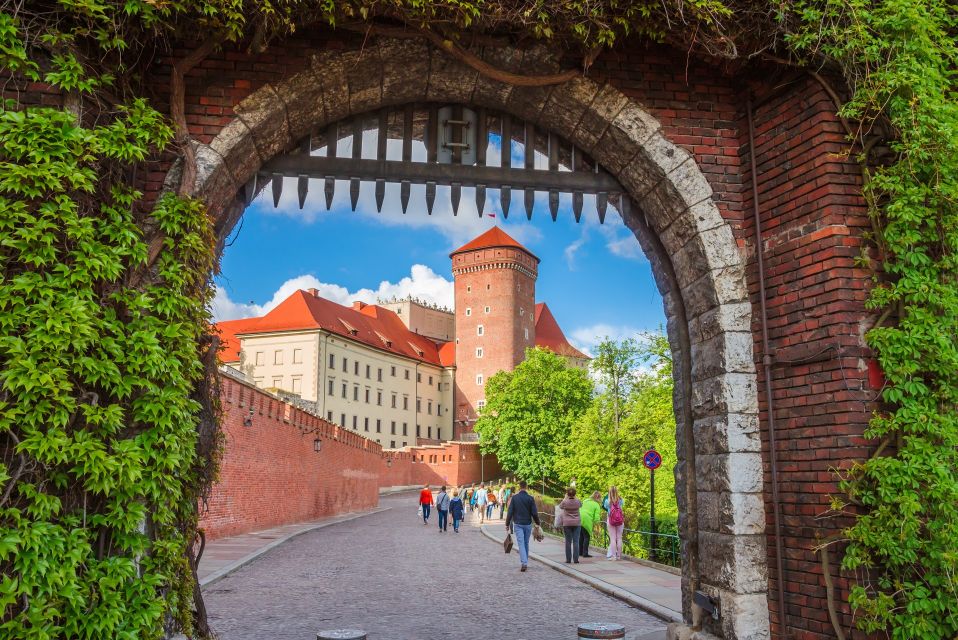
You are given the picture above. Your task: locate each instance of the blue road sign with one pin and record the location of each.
(652, 459)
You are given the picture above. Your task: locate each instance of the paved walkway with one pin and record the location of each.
(222, 557)
(397, 579)
(652, 589)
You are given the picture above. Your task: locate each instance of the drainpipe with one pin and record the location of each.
(767, 359)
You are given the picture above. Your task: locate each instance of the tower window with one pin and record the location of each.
(468, 311)
(479, 379)
(488, 309)
(526, 332)
(479, 330)
(468, 288)
(478, 352)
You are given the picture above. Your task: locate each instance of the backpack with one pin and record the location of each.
(615, 514)
(491, 496)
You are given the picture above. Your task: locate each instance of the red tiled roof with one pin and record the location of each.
(229, 343)
(494, 237)
(363, 323)
(549, 335)
(447, 353)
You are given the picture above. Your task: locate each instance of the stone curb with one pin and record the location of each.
(664, 613)
(233, 566)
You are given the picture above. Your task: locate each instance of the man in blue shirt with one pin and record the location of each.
(522, 513)
(482, 499)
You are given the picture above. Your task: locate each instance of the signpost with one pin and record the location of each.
(652, 461)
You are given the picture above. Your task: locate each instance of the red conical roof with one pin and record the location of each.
(549, 335)
(494, 237)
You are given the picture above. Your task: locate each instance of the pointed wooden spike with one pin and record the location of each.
(554, 204)
(455, 193)
(430, 196)
(302, 188)
(249, 190)
(505, 198)
(404, 194)
(480, 198)
(601, 202)
(529, 198)
(277, 188)
(329, 189)
(577, 205)
(380, 193)
(353, 192)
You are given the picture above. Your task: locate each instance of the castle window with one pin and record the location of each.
(277, 357)
(366, 424)
(526, 332)
(488, 309)
(344, 389)
(332, 388)
(342, 419)
(345, 365)
(297, 356)
(521, 311)
(356, 392)
(260, 359)
(480, 404)
(479, 330)
(479, 379)
(468, 289)
(468, 311)
(332, 361)
(379, 426)
(478, 352)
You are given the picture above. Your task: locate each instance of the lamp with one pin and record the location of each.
(248, 420)
(317, 445)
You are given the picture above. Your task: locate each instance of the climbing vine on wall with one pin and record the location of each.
(107, 411)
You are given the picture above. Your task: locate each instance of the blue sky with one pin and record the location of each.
(594, 277)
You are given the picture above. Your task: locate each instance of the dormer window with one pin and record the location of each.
(349, 328)
(386, 341)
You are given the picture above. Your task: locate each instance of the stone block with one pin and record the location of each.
(744, 616)
(329, 67)
(492, 93)
(364, 78)
(597, 116)
(405, 70)
(449, 80)
(527, 103)
(726, 352)
(733, 562)
(696, 219)
(236, 145)
(565, 106)
(265, 115)
(727, 433)
(740, 472)
(663, 203)
(214, 182)
(719, 287)
(302, 94)
(725, 393)
(735, 316)
(625, 139)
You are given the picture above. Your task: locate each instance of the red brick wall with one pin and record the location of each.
(453, 464)
(270, 473)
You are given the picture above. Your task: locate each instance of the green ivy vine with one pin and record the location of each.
(107, 378)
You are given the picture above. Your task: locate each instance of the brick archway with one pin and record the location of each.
(695, 257)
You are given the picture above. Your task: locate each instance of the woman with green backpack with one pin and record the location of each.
(615, 523)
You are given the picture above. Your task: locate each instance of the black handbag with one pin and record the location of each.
(507, 543)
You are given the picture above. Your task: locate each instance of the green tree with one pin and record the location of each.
(530, 411)
(607, 444)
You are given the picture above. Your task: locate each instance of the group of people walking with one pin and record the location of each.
(482, 500)
(575, 518)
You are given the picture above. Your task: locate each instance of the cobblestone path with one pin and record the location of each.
(397, 579)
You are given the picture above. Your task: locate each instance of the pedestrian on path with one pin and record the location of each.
(425, 502)
(456, 510)
(522, 513)
(482, 499)
(442, 508)
(493, 500)
(506, 494)
(473, 496)
(615, 523)
(590, 513)
(571, 525)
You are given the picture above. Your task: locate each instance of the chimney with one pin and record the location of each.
(359, 306)
(313, 292)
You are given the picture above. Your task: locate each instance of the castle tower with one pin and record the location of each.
(495, 289)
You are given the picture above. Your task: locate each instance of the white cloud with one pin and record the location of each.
(585, 339)
(422, 282)
(570, 251)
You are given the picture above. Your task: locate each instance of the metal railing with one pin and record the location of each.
(664, 548)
